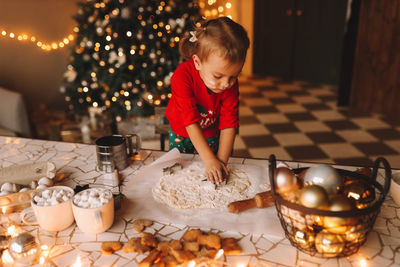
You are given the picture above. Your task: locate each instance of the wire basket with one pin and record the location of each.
(309, 229)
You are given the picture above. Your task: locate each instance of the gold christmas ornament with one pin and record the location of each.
(285, 180)
(325, 176)
(355, 234)
(313, 196)
(362, 193)
(314, 220)
(330, 245)
(292, 196)
(304, 239)
(339, 225)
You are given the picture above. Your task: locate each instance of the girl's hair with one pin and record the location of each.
(221, 35)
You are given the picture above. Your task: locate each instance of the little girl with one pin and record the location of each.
(203, 109)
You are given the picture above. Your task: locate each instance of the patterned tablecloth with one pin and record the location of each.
(77, 162)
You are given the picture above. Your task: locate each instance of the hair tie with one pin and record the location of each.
(193, 37)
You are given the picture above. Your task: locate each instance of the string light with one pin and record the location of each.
(210, 9)
(363, 263)
(51, 46)
(214, 8)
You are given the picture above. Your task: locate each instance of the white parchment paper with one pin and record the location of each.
(140, 203)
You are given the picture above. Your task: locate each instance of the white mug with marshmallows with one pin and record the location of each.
(93, 210)
(52, 209)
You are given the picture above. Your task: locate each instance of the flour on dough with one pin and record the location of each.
(186, 189)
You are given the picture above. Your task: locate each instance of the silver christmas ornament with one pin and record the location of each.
(24, 249)
(325, 176)
(313, 196)
(285, 180)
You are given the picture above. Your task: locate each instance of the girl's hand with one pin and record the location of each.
(215, 171)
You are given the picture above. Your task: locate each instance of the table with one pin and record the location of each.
(77, 162)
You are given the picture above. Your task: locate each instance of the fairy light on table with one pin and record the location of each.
(78, 262)
(6, 258)
(363, 263)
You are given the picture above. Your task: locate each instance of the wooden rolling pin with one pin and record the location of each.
(261, 200)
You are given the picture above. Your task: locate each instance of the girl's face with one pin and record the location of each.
(217, 73)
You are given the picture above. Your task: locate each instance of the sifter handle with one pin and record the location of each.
(131, 149)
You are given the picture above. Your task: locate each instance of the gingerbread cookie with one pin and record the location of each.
(140, 224)
(230, 246)
(191, 246)
(205, 252)
(134, 245)
(166, 247)
(211, 241)
(182, 256)
(109, 247)
(148, 240)
(152, 257)
(192, 235)
(169, 261)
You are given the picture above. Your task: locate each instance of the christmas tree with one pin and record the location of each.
(125, 54)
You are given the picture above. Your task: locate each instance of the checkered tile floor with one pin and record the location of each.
(300, 121)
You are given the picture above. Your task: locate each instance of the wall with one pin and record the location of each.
(245, 13)
(24, 67)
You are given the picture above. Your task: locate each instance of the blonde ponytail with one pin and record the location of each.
(221, 35)
(187, 48)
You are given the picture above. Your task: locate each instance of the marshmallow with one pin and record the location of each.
(51, 197)
(47, 193)
(92, 198)
(41, 187)
(7, 187)
(37, 198)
